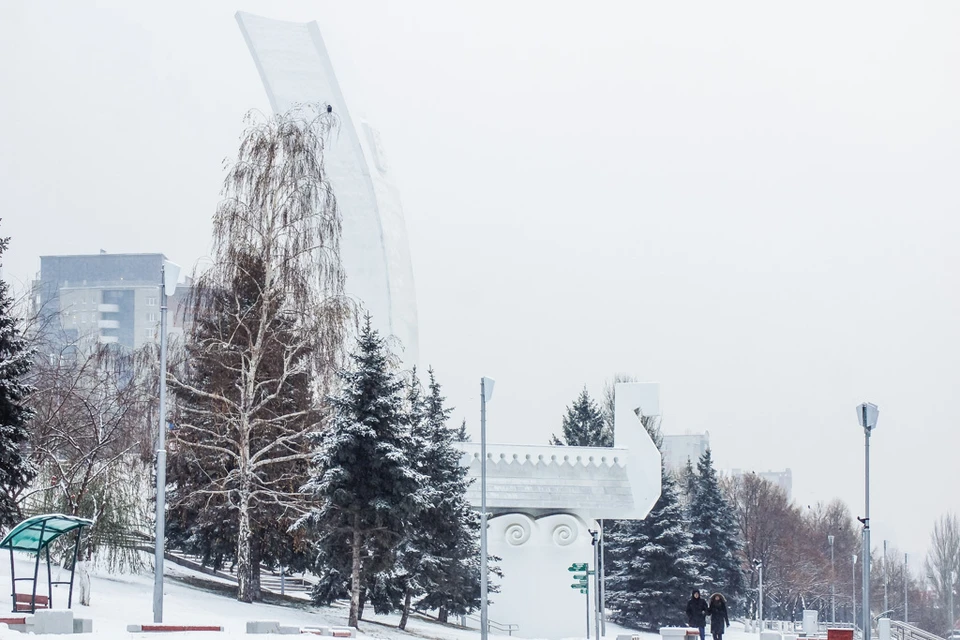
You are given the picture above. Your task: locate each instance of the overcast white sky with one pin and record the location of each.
(754, 204)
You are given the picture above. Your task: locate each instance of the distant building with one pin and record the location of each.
(106, 298)
(783, 479)
(677, 449)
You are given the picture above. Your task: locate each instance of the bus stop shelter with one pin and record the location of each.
(35, 535)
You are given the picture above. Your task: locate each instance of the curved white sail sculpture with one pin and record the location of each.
(295, 69)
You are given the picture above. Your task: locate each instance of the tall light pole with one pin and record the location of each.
(169, 272)
(953, 617)
(486, 392)
(853, 600)
(833, 584)
(867, 415)
(886, 602)
(759, 565)
(906, 590)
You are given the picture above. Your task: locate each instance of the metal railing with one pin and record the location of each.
(492, 625)
(906, 631)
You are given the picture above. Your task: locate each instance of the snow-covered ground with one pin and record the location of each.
(119, 600)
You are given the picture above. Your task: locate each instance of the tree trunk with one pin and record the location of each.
(406, 610)
(83, 583)
(442, 614)
(355, 575)
(255, 556)
(244, 560)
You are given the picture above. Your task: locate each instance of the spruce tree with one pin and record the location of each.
(449, 571)
(584, 425)
(367, 491)
(654, 565)
(16, 471)
(715, 531)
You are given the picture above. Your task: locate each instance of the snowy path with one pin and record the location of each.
(119, 600)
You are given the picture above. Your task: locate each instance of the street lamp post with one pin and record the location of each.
(486, 392)
(833, 584)
(886, 602)
(906, 591)
(759, 565)
(169, 272)
(867, 415)
(853, 583)
(953, 617)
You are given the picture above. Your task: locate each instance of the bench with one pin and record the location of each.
(25, 602)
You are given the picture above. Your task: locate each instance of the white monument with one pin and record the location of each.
(295, 69)
(543, 501)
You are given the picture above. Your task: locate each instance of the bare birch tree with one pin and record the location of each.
(89, 439)
(269, 321)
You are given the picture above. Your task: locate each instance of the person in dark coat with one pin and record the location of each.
(718, 616)
(697, 613)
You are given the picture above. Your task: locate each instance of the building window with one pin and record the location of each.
(152, 301)
(148, 333)
(151, 317)
(83, 318)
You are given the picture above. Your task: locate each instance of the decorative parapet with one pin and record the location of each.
(593, 482)
(543, 479)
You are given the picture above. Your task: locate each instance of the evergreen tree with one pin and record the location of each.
(367, 490)
(449, 530)
(462, 435)
(715, 531)
(16, 472)
(654, 565)
(584, 425)
(688, 485)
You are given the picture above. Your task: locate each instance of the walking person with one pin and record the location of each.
(719, 621)
(697, 613)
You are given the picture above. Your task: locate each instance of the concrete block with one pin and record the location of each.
(288, 631)
(263, 626)
(676, 633)
(883, 628)
(316, 631)
(343, 632)
(771, 635)
(134, 628)
(53, 621)
(810, 626)
(82, 625)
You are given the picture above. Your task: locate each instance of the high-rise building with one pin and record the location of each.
(677, 449)
(106, 298)
(296, 69)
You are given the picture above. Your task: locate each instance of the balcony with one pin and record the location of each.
(108, 324)
(109, 339)
(108, 308)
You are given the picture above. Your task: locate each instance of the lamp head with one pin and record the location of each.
(867, 415)
(171, 273)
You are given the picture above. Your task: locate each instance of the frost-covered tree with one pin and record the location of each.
(715, 531)
(943, 564)
(270, 318)
(654, 565)
(16, 472)
(447, 531)
(366, 490)
(584, 426)
(90, 440)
